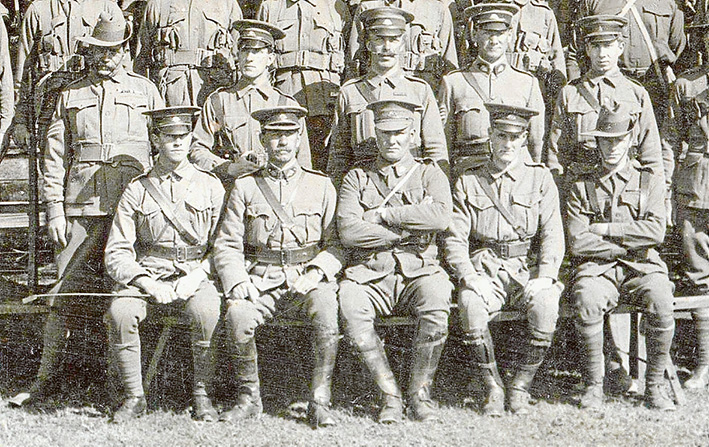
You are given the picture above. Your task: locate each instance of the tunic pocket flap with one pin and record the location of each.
(468, 103)
(526, 200)
(198, 202)
(480, 202)
(132, 100)
(630, 197)
(82, 103)
(657, 10)
(258, 209)
(308, 209)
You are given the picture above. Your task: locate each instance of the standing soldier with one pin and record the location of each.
(656, 39)
(97, 141)
(226, 139)
(499, 208)
(429, 44)
(276, 253)
(185, 47)
(166, 257)
(616, 219)
(7, 90)
(490, 77)
(389, 212)
(310, 60)
(687, 124)
(353, 138)
(49, 45)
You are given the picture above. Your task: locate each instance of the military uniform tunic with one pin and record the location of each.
(251, 230)
(573, 152)
(7, 91)
(225, 130)
(466, 120)
(353, 137)
(185, 47)
(625, 260)
(429, 44)
(478, 229)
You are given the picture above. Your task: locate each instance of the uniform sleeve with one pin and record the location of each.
(583, 243)
(457, 240)
(7, 88)
(120, 257)
(433, 137)
(24, 67)
(354, 230)
(433, 214)
(331, 259)
(559, 136)
(304, 155)
(676, 126)
(217, 200)
(340, 155)
(229, 260)
(203, 139)
(56, 160)
(677, 38)
(649, 230)
(447, 37)
(445, 108)
(536, 123)
(551, 229)
(558, 61)
(650, 150)
(147, 37)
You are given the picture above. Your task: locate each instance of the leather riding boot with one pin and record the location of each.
(371, 351)
(127, 362)
(324, 356)
(658, 342)
(203, 366)
(427, 353)
(700, 375)
(537, 346)
(591, 337)
(54, 342)
(483, 352)
(248, 403)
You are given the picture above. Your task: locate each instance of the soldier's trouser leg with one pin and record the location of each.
(123, 317)
(358, 316)
(476, 334)
(430, 299)
(203, 311)
(242, 319)
(322, 309)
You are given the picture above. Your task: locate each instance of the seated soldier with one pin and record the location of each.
(616, 218)
(388, 214)
(276, 254)
(159, 245)
(501, 210)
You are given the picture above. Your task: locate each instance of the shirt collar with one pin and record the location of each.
(611, 77)
(285, 173)
(623, 173)
(183, 170)
(261, 85)
(513, 170)
(399, 168)
(394, 78)
(486, 67)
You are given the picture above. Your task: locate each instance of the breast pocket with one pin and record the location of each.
(584, 119)
(259, 222)
(199, 210)
(288, 25)
(83, 116)
(630, 200)
(149, 219)
(524, 209)
(470, 118)
(658, 17)
(361, 123)
(308, 216)
(129, 113)
(236, 135)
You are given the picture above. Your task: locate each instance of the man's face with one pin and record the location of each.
(614, 150)
(281, 145)
(604, 55)
(253, 62)
(492, 44)
(104, 60)
(393, 145)
(384, 50)
(172, 148)
(506, 146)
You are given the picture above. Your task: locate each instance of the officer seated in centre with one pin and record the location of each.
(159, 245)
(506, 246)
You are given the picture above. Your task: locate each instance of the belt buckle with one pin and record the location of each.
(504, 250)
(181, 254)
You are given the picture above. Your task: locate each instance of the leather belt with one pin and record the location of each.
(312, 59)
(508, 250)
(178, 253)
(198, 58)
(635, 72)
(282, 257)
(106, 152)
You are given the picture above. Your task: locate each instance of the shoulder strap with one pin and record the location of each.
(275, 205)
(168, 210)
(588, 96)
(483, 181)
(470, 79)
(368, 96)
(383, 189)
(592, 196)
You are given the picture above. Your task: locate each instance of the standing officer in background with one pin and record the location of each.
(49, 45)
(310, 60)
(389, 212)
(655, 39)
(490, 77)
(7, 90)
(97, 142)
(687, 125)
(186, 48)
(159, 245)
(429, 49)
(616, 219)
(353, 135)
(500, 210)
(277, 253)
(226, 139)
